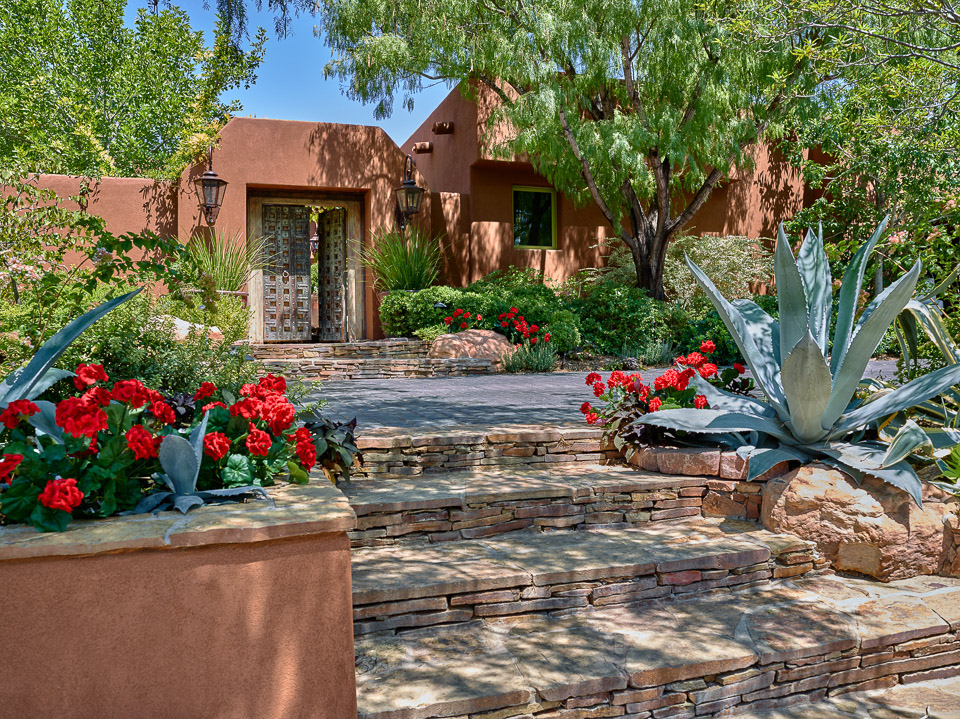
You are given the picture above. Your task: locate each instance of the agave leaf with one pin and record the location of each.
(720, 399)
(196, 438)
(151, 502)
(944, 284)
(817, 286)
(930, 317)
(867, 336)
(763, 460)
(794, 317)
(764, 366)
(907, 334)
(50, 378)
(908, 395)
(715, 421)
(184, 502)
(910, 438)
(19, 386)
(849, 294)
(806, 382)
(765, 329)
(45, 421)
(179, 462)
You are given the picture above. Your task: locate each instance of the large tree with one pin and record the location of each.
(642, 107)
(80, 93)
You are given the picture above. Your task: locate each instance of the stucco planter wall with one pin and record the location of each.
(232, 611)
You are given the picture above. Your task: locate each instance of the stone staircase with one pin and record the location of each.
(576, 588)
(367, 359)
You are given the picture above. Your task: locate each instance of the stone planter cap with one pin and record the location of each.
(300, 510)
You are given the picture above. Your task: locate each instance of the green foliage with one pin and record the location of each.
(81, 93)
(408, 261)
(613, 317)
(226, 259)
(564, 327)
(809, 409)
(336, 445)
(429, 334)
(736, 262)
(539, 357)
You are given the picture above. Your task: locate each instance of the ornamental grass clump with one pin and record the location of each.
(810, 409)
(409, 261)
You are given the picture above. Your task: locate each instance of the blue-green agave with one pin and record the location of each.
(810, 408)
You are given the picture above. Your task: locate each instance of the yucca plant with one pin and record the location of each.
(227, 259)
(403, 262)
(810, 409)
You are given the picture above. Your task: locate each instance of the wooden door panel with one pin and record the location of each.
(286, 278)
(333, 275)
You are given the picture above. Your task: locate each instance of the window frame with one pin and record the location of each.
(553, 216)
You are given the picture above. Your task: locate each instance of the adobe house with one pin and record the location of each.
(320, 191)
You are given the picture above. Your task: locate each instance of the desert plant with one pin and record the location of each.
(810, 410)
(227, 259)
(409, 261)
(180, 460)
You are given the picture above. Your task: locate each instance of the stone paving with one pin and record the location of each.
(550, 398)
(764, 647)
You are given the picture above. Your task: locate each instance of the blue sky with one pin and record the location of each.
(290, 84)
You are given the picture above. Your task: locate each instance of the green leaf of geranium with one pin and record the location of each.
(18, 501)
(297, 473)
(237, 471)
(49, 520)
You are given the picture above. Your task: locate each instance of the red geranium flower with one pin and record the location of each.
(258, 442)
(708, 370)
(216, 445)
(546, 337)
(739, 368)
(707, 347)
(80, 417)
(533, 340)
(534, 328)
(694, 359)
(448, 320)
(466, 315)
(131, 392)
(457, 313)
(206, 390)
(591, 418)
(273, 383)
(700, 402)
(479, 318)
(141, 442)
(8, 463)
(301, 435)
(163, 412)
(307, 453)
(88, 374)
(585, 408)
(598, 389)
(248, 408)
(514, 310)
(593, 378)
(16, 411)
(503, 324)
(655, 403)
(97, 395)
(670, 378)
(278, 413)
(208, 407)
(463, 325)
(61, 494)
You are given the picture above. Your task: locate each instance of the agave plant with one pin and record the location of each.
(39, 374)
(180, 460)
(810, 408)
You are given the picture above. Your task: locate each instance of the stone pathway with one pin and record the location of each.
(491, 399)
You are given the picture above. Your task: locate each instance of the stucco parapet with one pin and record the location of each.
(296, 510)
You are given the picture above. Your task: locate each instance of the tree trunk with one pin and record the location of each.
(649, 258)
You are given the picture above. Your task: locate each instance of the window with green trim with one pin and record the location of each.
(534, 217)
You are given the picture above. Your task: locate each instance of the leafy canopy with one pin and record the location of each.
(82, 94)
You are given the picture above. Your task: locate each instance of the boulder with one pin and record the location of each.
(479, 344)
(182, 328)
(874, 529)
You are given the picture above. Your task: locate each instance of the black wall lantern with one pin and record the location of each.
(210, 190)
(409, 196)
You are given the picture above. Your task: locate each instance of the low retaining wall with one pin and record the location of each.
(369, 349)
(387, 453)
(231, 611)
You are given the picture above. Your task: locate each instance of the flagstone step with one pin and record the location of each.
(398, 452)
(784, 643)
(344, 368)
(402, 587)
(540, 498)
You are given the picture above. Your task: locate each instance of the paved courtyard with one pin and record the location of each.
(480, 400)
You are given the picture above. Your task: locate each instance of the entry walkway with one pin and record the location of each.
(483, 400)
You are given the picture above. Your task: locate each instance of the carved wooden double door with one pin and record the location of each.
(286, 276)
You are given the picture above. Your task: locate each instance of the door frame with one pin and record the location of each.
(353, 204)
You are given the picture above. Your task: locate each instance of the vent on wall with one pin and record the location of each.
(443, 128)
(422, 148)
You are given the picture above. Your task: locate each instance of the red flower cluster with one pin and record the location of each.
(463, 319)
(258, 442)
(143, 444)
(61, 494)
(133, 393)
(206, 390)
(514, 319)
(81, 416)
(89, 374)
(266, 400)
(16, 411)
(216, 445)
(8, 463)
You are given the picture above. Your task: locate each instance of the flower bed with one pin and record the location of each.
(98, 453)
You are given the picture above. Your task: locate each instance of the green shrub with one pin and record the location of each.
(540, 357)
(403, 313)
(613, 316)
(564, 328)
(733, 261)
(429, 334)
(403, 262)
